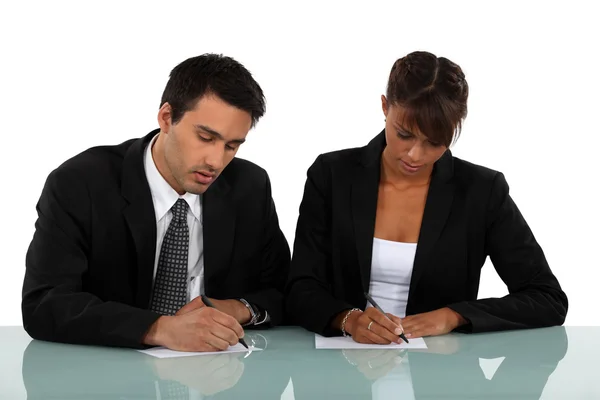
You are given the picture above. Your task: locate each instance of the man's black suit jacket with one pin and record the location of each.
(469, 215)
(89, 267)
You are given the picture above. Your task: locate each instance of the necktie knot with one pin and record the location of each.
(179, 210)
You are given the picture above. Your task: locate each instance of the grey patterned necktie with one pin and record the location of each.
(170, 284)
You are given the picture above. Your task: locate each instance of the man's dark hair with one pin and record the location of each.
(434, 93)
(212, 74)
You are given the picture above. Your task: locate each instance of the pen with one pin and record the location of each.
(209, 303)
(370, 299)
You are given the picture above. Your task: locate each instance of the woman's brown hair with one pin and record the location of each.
(433, 93)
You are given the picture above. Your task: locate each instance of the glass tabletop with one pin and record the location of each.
(549, 363)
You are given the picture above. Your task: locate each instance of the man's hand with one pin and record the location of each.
(371, 326)
(433, 323)
(234, 308)
(200, 329)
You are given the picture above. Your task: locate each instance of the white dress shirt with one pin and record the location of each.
(163, 198)
(391, 271)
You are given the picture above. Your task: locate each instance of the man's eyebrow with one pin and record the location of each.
(216, 134)
(209, 131)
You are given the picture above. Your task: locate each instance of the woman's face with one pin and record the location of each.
(408, 151)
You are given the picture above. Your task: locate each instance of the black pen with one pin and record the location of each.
(370, 299)
(209, 303)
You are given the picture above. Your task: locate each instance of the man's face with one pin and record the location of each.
(198, 148)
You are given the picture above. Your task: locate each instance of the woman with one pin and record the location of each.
(412, 225)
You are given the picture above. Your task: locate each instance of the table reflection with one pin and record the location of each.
(451, 368)
(53, 370)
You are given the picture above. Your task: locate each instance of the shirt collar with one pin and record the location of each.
(163, 195)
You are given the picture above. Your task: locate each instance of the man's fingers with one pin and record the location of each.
(218, 343)
(209, 346)
(227, 321)
(226, 327)
(191, 306)
(225, 334)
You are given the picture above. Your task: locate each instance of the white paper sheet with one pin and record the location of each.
(322, 342)
(162, 352)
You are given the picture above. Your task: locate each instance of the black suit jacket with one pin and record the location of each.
(468, 216)
(90, 264)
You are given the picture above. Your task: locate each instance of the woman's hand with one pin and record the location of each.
(372, 327)
(433, 323)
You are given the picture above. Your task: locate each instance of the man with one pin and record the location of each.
(129, 236)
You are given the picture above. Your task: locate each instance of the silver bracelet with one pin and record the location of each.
(346, 319)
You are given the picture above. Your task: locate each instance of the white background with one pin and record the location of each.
(79, 74)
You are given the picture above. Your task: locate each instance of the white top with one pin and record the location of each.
(163, 198)
(391, 271)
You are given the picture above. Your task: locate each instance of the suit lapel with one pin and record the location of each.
(365, 189)
(139, 216)
(364, 194)
(364, 207)
(437, 209)
(218, 217)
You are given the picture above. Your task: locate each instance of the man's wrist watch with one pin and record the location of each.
(253, 313)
